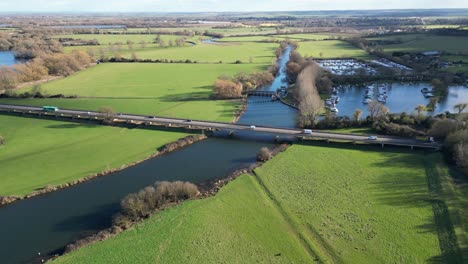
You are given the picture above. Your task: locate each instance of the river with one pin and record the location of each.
(49, 222)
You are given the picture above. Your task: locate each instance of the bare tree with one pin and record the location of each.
(460, 107)
(377, 110)
(420, 109)
(107, 113)
(264, 154)
(310, 104)
(357, 115)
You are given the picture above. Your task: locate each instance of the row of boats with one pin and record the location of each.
(331, 102)
(379, 93)
(428, 93)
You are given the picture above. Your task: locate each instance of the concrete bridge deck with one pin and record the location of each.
(210, 125)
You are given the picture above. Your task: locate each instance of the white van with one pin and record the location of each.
(308, 131)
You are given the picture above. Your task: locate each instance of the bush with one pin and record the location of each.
(143, 203)
(225, 89)
(264, 154)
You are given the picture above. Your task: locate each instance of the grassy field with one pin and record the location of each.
(448, 44)
(105, 39)
(176, 90)
(366, 206)
(239, 225)
(331, 49)
(257, 53)
(276, 38)
(41, 152)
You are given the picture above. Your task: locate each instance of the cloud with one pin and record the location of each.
(219, 5)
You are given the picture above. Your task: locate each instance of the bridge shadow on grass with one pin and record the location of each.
(410, 190)
(186, 97)
(72, 125)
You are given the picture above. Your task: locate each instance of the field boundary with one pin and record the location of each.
(322, 254)
(448, 242)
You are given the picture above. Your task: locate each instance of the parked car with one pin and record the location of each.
(308, 131)
(372, 138)
(188, 120)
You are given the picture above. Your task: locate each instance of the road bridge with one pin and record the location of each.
(211, 125)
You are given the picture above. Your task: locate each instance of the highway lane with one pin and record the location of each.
(229, 126)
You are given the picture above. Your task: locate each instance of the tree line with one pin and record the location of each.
(57, 64)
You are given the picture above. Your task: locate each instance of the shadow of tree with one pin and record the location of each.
(410, 191)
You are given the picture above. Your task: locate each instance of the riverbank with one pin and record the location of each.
(209, 189)
(167, 148)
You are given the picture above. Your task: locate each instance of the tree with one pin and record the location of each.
(460, 107)
(264, 154)
(376, 110)
(310, 104)
(420, 109)
(225, 89)
(8, 78)
(107, 113)
(357, 115)
(142, 44)
(439, 87)
(2, 140)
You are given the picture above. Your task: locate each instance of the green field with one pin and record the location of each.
(175, 90)
(239, 225)
(105, 39)
(42, 152)
(450, 44)
(108, 41)
(366, 206)
(331, 49)
(260, 53)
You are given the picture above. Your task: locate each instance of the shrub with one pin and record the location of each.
(264, 154)
(143, 203)
(225, 89)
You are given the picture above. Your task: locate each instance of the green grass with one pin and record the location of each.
(238, 225)
(105, 39)
(449, 44)
(365, 206)
(41, 152)
(400, 37)
(261, 53)
(331, 49)
(107, 42)
(176, 90)
(357, 206)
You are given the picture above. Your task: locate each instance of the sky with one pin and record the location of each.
(218, 5)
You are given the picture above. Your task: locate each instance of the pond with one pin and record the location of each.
(401, 97)
(7, 58)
